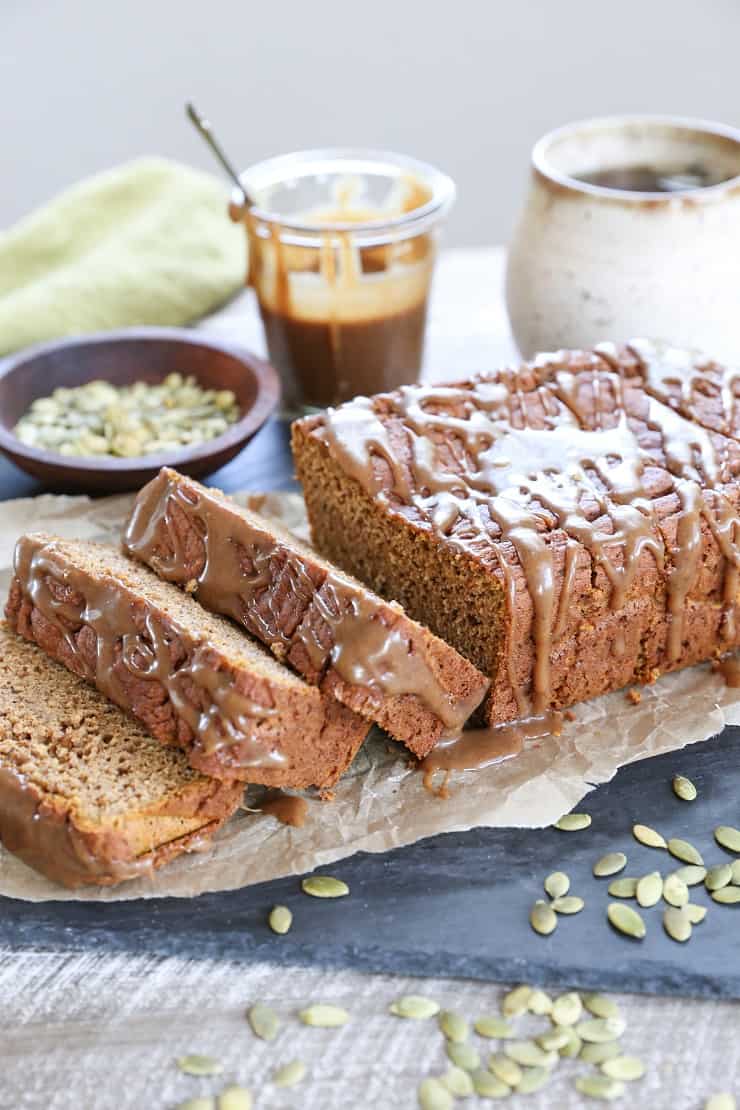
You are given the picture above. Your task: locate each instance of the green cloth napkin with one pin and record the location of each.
(147, 243)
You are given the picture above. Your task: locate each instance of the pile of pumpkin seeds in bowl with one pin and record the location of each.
(102, 419)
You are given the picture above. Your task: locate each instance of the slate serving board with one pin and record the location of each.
(458, 904)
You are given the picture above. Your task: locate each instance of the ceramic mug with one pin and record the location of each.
(589, 263)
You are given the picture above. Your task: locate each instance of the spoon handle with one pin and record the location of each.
(206, 131)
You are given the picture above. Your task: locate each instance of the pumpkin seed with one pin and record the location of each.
(718, 876)
(626, 920)
(691, 874)
(649, 889)
(324, 886)
(573, 822)
(433, 1095)
(454, 1026)
(542, 918)
(567, 1009)
(677, 924)
(569, 903)
(598, 1030)
(600, 1006)
(515, 1002)
(610, 864)
(597, 1053)
(264, 1022)
(199, 1065)
(649, 837)
(488, 1085)
(695, 914)
(530, 1054)
(414, 1006)
(324, 1016)
(684, 789)
(557, 884)
(728, 837)
(675, 891)
(457, 1082)
(555, 1039)
(235, 1098)
(574, 1044)
(721, 1101)
(736, 871)
(197, 1104)
(505, 1069)
(289, 1075)
(280, 919)
(625, 887)
(463, 1055)
(624, 1067)
(727, 895)
(493, 1027)
(599, 1086)
(684, 851)
(539, 1003)
(532, 1080)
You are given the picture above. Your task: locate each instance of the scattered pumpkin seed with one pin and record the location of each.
(727, 895)
(598, 1030)
(542, 918)
(625, 887)
(600, 1006)
(324, 886)
(684, 851)
(324, 1016)
(554, 1039)
(718, 876)
(736, 871)
(457, 1082)
(264, 1022)
(695, 914)
(463, 1055)
(597, 1053)
(691, 874)
(235, 1098)
(199, 1065)
(414, 1006)
(516, 1001)
(675, 891)
(677, 924)
(574, 1043)
(530, 1054)
(721, 1101)
(505, 1069)
(626, 920)
(684, 789)
(599, 1086)
(649, 837)
(569, 903)
(488, 1085)
(728, 837)
(493, 1027)
(567, 1009)
(610, 864)
(532, 1080)
(433, 1095)
(557, 884)
(624, 1067)
(197, 1104)
(539, 1003)
(573, 822)
(649, 889)
(290, 1074)
(280, 919)
(454, 1026)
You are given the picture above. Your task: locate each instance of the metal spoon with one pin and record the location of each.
(203, 126)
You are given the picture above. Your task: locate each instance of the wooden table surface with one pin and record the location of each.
(97, 1031)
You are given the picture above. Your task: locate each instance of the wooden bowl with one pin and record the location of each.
(124, 357)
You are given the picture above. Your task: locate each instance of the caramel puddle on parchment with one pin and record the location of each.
(288, 808)
(476, 748)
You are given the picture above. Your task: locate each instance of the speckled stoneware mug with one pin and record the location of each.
(590, 262)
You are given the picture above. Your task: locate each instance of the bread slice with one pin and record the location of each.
(86, 795)
(193, 679)
(568, 526)
(336, 633)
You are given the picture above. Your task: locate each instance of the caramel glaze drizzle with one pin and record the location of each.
(467, 465)
(337, 623)
(218, 716)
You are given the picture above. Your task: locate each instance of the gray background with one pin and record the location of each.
(469, 85)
